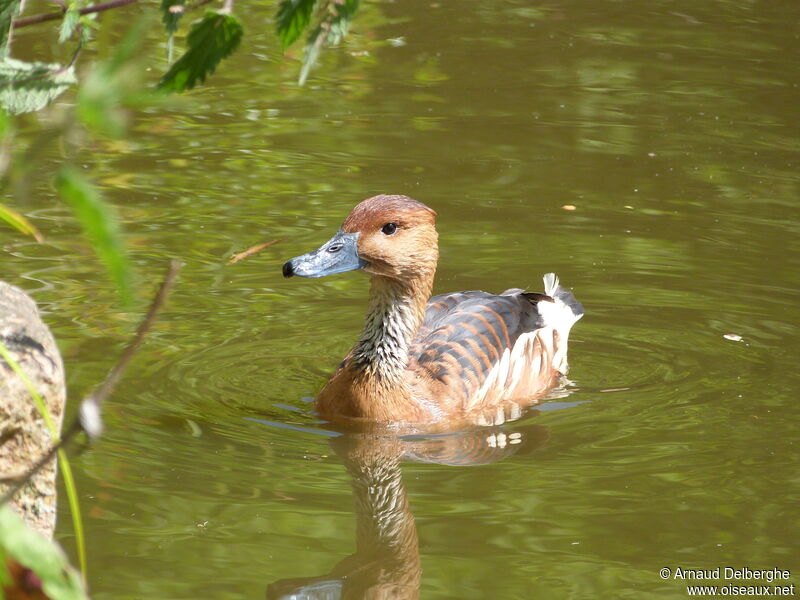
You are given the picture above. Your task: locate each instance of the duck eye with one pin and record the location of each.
(389, 228)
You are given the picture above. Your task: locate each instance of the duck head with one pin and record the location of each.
(387, 236)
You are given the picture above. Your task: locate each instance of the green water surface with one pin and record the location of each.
(672, 127)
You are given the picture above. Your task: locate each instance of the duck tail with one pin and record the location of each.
(560, 294)
(561, 315)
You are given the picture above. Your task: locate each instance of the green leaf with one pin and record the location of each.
(88, 23)
(28, 87)
(292, 18)
(100, 223)
(59, 580)
(113, 85)
(68, 24)
(19, 222)
(8, 10)
(210, 40)
(330, 31)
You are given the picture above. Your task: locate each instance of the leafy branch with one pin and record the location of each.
(333, 16)
(292, 18)
(52, 16)
(31, 86)
(210, 40)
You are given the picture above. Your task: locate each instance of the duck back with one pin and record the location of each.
(475, 350)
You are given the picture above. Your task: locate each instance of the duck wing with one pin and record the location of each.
(476, 349)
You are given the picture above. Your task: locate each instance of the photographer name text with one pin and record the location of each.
(727, 573)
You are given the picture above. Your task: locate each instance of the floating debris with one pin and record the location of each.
(250, 251)
(569, 207)
(733, 337)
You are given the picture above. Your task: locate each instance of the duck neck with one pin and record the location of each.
(396, 311)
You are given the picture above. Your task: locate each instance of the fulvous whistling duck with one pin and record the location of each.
(423, 360)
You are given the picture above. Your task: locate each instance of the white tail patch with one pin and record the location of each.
(560, 316)
(550, 284)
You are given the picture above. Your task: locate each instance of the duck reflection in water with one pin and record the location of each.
(386, 564)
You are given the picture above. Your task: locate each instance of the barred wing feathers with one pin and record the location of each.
(477, 349)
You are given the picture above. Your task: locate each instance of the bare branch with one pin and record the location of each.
(34, 19)
(10, 38)
(37, 466)
(102, 392)
(52, 16)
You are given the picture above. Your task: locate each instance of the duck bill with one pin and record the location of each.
(337, 255)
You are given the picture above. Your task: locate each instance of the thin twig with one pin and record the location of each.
(10, 36)
(34, 19)
(22, 4)
(78, 48)
(44, 74)
(52, 16)
(10, 83)
(39, 464)
(250, 251)
(113, 377)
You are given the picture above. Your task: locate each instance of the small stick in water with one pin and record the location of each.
(250, 251)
